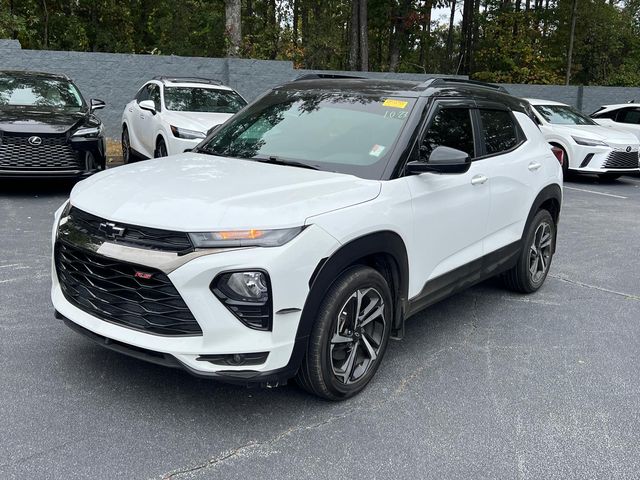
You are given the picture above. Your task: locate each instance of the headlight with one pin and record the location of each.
(589, 142)
(244, 238)
(88, 132)
(247, 294)
(186, 134)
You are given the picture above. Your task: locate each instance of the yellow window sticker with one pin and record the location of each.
(392, 102)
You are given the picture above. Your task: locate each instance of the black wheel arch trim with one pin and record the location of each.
(550, 192)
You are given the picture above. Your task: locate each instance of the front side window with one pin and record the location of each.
(154, 95)
(190, 99)
(451, 127)
(347, 132)
(563, 115)
(37, 92)
(143, 94)
(498, 130)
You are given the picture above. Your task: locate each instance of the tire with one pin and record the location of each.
(338, 363)
(609, 177)
(566, 173)
(127, 155)
(161, 149)
(539, 247)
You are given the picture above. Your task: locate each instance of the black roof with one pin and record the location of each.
(434, 87)
(27, 73)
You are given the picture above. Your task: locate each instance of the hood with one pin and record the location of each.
(17, 120)
(597, 132)
(194, 192)
(200, 121)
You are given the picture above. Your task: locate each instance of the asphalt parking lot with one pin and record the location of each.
(486, 384)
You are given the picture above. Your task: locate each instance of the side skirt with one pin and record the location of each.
(465, 276)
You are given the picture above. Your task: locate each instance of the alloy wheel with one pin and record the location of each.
(540, 252)
(125, 147)
(358, 336)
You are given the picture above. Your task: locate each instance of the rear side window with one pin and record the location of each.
(629, 116)
(451, 127)
(499, 131)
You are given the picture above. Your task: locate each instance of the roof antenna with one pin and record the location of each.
(632, 101)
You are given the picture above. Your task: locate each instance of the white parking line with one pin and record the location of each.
(597, 193)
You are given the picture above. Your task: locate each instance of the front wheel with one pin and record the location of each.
(534, 261)
(350, 335)
(161, 149)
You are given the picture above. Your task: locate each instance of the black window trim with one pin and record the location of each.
(431, 110)
(520, 136)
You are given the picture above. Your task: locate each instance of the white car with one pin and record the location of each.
(624, 116)
(587, 147)
(170, 115)
(297, 238)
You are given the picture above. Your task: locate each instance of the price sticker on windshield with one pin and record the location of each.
(393, 103)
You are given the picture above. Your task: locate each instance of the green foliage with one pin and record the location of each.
(510, 42)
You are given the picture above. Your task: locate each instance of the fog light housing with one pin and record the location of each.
(247, 294)
(235, 359)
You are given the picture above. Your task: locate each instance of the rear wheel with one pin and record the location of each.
(534, 261)
(350, 335)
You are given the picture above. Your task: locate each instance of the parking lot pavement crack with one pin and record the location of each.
(250, 448)
(628, 296)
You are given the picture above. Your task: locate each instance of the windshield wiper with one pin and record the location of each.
(279, 161)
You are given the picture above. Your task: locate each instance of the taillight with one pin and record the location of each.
(559, 153)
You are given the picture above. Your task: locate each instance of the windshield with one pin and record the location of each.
(342, 132)
(563, 115)
(43, 93)
(194, 99)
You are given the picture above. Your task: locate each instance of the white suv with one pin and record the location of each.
(297, 238)
(170, 115)
(587, 147)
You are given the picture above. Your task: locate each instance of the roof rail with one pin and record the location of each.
(210, 81)
(463, 81)
(326, 76)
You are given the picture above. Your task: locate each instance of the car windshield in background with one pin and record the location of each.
(41, 93)
(190, 99)
(343, 132)
(563, 115)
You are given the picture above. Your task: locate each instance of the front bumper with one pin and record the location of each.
(290, 267)
(57, 157)
(615, 158)
(177, 145)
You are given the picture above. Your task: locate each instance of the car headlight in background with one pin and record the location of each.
(88, 132)
(186, 133)
(247, 294)
(589, 142)
(244, 238)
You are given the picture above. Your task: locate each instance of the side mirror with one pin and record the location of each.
(442, 160)
(97, 104)
(148, 105)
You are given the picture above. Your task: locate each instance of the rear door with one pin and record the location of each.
(514, 169)
(449, 210)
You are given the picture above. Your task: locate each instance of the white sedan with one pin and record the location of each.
(172, 115)
(587, 146)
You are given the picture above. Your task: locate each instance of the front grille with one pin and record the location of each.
(144, 237)
(619, 159)
(110, 290)
(55, 153)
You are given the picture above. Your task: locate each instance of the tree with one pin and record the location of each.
(233, 26)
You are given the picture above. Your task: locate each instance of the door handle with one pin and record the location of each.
(478, 180)
(533, 166)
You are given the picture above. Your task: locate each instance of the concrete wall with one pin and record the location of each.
(115, 77)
